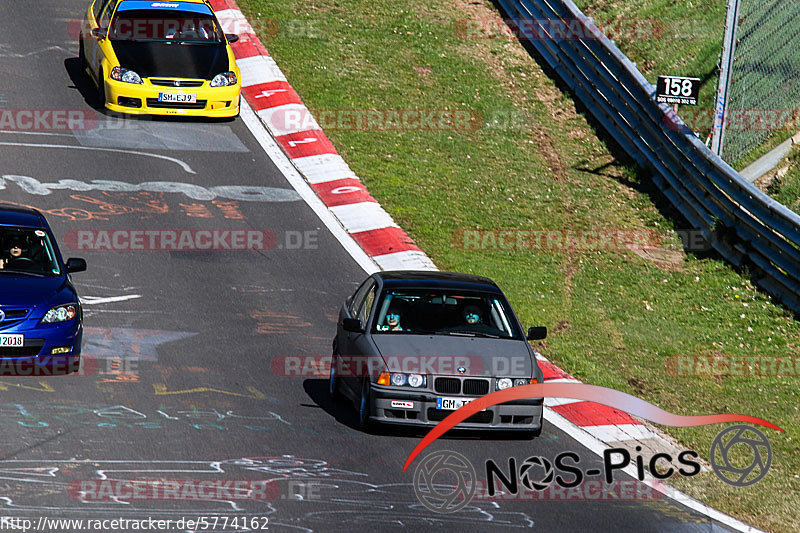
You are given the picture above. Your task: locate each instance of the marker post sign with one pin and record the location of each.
(677, 90)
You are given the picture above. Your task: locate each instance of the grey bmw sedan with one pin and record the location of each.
(413, 346)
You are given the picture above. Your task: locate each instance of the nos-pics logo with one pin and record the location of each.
(446, 481)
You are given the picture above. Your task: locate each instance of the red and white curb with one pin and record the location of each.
(346, 200)
(291, 124)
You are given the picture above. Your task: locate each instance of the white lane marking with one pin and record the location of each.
(183, 165)
(95, 300)
(282, 162)
(19, 132)
(28, 54)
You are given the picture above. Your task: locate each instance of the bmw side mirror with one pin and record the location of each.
(537, 333)
(99, 33)
(75, 264)
(353, 325)
(232, 37)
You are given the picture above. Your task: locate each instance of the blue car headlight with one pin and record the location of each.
(62, 313)
(126, 75)
(223, 80)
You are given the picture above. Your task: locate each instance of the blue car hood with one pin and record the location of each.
(41, 293)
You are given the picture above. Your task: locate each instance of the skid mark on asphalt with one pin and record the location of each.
(160, 389)
(43, 386)
(272, 322)
(143, 135)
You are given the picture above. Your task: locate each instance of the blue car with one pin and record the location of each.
(41, 321)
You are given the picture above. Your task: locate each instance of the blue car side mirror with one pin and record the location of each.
(75, 264)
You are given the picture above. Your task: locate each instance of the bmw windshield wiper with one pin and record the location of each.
(473, 334)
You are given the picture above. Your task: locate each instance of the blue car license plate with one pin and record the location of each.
(12, 340)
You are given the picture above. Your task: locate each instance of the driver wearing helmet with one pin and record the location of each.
(392, 321)
(16, 248)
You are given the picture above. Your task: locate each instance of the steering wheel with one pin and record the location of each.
(15, 260)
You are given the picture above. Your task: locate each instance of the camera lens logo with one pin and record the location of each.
(445, 481)
(530, 463)
(729, 449)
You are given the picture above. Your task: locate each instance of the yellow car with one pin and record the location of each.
(160, 58)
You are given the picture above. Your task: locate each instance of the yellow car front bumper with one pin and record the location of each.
(144, 99)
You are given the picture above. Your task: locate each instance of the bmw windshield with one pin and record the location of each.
(445, 312)
(27, 251)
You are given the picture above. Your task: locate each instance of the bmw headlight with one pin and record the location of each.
(223, 80)
(416, 380)
(398, 380)
(412, 380)
(62, 313)
(504, 383)
(126, 75)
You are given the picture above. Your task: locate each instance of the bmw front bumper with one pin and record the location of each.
(408, 407)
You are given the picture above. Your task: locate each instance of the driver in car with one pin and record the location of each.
(15, 250)
(392, 321)
(474, 321)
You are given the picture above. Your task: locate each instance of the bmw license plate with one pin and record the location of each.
(10, 340)
(178, 98)
(451, 404)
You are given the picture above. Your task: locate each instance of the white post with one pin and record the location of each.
(726, 65)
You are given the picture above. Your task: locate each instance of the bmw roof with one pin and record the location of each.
(13, 215)
(436, 279)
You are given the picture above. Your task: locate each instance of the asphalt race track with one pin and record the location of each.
(179, 385)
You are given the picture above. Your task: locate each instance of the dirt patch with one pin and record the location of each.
(663, 258)
(423, 72)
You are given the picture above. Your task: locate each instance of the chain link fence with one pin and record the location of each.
(765, 79)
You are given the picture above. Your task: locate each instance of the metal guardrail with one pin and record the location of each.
(744, 225)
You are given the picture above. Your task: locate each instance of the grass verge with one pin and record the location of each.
(532, 161)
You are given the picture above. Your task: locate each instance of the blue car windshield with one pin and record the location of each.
(27, 251)
(445, 312)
